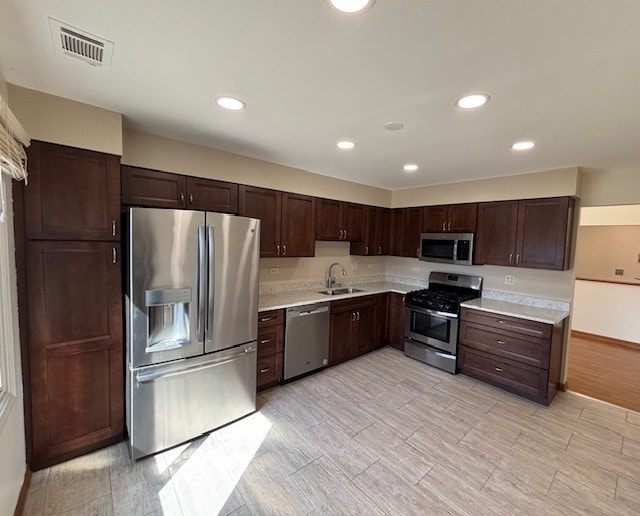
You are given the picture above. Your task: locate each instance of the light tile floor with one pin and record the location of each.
(382, 434)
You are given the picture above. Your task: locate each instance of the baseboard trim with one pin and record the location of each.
(563, 386)
(605, 340)
(22, 497)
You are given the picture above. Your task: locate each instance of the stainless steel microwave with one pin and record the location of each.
(447, 248)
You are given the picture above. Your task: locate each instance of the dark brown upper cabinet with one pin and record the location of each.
(337, 220)
(144, 187)
(287, 221)
(452, 218)
(73, 194)
(406, 225)
(376, 235)
(533, 233)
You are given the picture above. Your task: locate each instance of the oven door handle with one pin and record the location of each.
(432, 312)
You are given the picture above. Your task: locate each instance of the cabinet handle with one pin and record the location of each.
(265, 370)
(353, 316)
(518, 258)
(501, 342)
(501, 321)
(499, 369)
(418, 252)
(190, 198)
(113, 227)
(284, 249)
(265, 319)
(277, 249)
(115, 255)
(357, 316)
(443, 225)
(380, 252)
(449, 226)
(265, 341)
(181, 197)
(510, 257)
(345, 233)
(366, 250)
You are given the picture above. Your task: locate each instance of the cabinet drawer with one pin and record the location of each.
(507, 323)
(528, 350)
(353, 304)
(267, 370)
(270, 318)
(530, 382)
(269, 340)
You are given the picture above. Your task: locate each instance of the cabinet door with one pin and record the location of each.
(367, 335)
(496, 236)
(395, 320)
(353, 221)
(143, 187)
(298, 225)
(543, 228)
(73, 194)
(384, 237)
(435, 219)
(397, 232)
(266, 205)
(369, 245)
(209, 195)
(75, 347)
(462, 218)
(340, 336)
(412, 226)
(328, 220)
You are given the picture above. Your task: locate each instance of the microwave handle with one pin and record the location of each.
(455, 249)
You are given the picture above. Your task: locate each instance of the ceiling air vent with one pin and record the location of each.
(78, 44)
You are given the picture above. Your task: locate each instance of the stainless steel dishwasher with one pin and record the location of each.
(306, 339)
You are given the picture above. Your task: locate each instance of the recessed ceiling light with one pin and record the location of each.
(231, 103)
(352, 6)
(410, 167)
(393, 126)
(345, 144)
(524, 145)
(473, 100)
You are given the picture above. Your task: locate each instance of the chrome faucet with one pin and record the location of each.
(331, 280)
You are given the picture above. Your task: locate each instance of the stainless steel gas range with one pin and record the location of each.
(431, 321)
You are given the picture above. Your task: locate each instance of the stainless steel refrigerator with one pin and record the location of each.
(191, 318)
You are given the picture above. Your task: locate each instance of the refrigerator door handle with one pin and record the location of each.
(201, 282)
(212, 280)
(151, 377)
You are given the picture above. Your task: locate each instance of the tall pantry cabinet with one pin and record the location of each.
(70, 300)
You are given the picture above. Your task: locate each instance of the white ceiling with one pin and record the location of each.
(565, 73)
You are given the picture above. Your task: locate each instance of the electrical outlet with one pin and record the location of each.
(619, 272)
(416, 269)
(274, 270)
(370, 266)
(509, 280)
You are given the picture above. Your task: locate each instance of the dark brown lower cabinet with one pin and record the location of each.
(519, 355)
(394, 334)
(270, 348)
(355, 327)
(75, 348)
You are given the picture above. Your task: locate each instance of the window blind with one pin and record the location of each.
(13, 159)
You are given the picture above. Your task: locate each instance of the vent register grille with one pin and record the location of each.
(78, 44)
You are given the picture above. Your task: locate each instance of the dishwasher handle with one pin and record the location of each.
(304, 311)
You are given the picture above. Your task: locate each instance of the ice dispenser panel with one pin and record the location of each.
(168, 315)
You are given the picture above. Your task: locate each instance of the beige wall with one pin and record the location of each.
(603, 249)
(608, 187)
(3, 87)
(626, 215)
(146, 150)
(67, 122)
(550, 183)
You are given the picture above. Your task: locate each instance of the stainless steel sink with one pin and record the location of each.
(338, 291)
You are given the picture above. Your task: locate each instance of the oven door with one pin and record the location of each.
(433, 328)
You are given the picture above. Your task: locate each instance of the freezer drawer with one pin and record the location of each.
(171, 403)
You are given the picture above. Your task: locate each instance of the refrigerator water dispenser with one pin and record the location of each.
(168, 316)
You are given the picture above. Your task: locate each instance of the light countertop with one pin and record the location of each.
(304, 297)
(524, 311)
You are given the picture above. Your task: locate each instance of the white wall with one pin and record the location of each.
(607, 309)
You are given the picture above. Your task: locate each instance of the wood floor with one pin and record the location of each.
(381, 434)
(605, 369)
